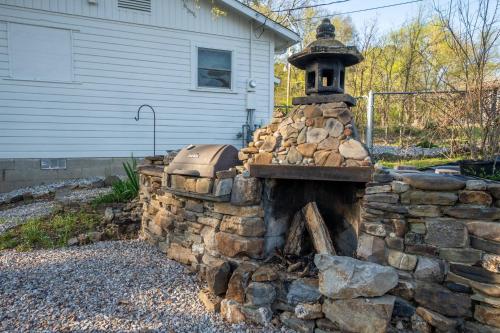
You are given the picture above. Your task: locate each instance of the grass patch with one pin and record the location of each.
(49, 232)
(420, 163)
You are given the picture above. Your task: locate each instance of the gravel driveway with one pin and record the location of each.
(12, 217)
(108, 286)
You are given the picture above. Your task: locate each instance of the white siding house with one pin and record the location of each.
(73, 73)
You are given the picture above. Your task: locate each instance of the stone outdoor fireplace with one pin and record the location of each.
(303, 228)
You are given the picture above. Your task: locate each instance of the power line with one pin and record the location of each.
(361, 10)
(308, 6)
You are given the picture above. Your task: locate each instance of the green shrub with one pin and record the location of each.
(122, 190)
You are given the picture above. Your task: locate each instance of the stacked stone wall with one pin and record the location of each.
(314, 135)
(428, 250)
(442, 234)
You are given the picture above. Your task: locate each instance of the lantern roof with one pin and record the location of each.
(326, 47)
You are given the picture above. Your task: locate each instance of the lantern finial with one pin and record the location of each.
(325, 30)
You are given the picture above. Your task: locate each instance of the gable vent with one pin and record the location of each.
(142, 5)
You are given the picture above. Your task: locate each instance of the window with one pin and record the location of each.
(214, 68)
(40, 53)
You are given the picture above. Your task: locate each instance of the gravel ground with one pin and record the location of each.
(408, 152)
(15, 216)
(121, 286)
(19, 214)
(40, 190)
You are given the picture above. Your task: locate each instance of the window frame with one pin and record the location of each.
(11, 54)
(194, 68)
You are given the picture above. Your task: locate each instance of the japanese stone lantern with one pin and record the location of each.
(324, 62)
(317, 138)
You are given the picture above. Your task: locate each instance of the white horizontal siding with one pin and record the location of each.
(164, 13)
(117, 67)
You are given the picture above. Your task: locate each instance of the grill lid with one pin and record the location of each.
(203, 160)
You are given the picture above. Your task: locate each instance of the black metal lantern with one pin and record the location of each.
(324, 62)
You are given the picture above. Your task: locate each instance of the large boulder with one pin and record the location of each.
(346, 277)
(363, 315)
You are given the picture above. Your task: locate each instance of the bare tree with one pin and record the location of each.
(472, 32)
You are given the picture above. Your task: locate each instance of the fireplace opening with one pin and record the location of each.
(337, 203)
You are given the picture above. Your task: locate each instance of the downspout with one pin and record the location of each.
(249, 126)
(251, 112)
(251, 51)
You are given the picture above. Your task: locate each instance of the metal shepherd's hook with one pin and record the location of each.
(154, 124)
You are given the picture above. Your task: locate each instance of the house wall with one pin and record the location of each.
(122, 59)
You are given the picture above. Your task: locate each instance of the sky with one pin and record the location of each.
(387, 18)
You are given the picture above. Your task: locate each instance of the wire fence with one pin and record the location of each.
(430, 122)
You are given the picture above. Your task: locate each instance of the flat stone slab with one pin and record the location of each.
(332, 98)
(433, 182)
(440, 299)
(478, 274)
(486, 230)
(473, 212)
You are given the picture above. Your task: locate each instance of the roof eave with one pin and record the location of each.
(288, 35)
